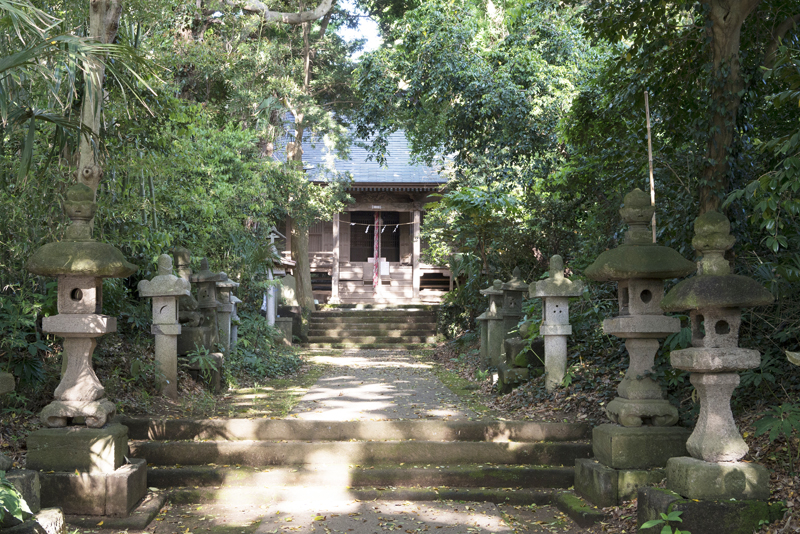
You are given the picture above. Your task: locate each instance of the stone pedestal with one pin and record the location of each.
(555, 293)
(714, 298)
(165, 289)
(705, 516)
(626, 459)
(284, 325)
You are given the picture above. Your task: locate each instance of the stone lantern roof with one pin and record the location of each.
(516, 283)
(638, 257)
(557, 285)
(206, 275)
(78, 254)
(714, 286)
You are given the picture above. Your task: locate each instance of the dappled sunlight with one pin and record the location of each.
(357, 361)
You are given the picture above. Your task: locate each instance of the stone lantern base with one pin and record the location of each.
(83, 470)
(705, 516)
(627, 458)
(696, 479)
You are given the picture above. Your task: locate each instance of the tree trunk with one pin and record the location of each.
(103, 25)
(725, 32)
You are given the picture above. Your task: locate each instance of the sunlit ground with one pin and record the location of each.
(386, 384)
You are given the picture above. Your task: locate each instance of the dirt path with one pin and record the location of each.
(378, 384)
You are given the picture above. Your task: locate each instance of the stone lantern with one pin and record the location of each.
(632, 455)
(555, 293)
(714, 299)
(235, 301)
(80, 264)
(164, 289)
(493, 333)
(225, 311)
(640, 267)
(513, 292)
(82, 456)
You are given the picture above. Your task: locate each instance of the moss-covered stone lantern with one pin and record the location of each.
(714, 299)
(640, 267)
(80, 264)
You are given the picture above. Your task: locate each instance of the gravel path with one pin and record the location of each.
(376, 385)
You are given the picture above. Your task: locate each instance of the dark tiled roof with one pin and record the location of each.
(399, 168)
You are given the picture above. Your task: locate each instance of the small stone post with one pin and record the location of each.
(7, 384)
(81, 451)
(235, 301)
(635, 453)
(495, 334)
(555, 293)
(483, 326)
(164, 289)
(225, 311)
(715, 298)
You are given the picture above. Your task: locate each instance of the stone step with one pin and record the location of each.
(475, 476)
(408, 346)
(144, 428)
(362, 340)
(376, 329)
(376, 317)
(362, 307)
(258, 496)
(263, 453)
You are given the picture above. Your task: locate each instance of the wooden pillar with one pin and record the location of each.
(415, 251)
(335, 268)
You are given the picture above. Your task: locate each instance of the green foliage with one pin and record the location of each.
(665, 519)
(201, 359)
(782, 421)
(11, 501)
(258, 356)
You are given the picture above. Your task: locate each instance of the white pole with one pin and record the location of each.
(650, 159)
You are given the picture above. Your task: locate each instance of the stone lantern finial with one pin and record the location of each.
(556, 268)
(80, 208)
(637, 212)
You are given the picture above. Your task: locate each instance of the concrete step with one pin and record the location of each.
(363, 340)
(475, 476)
(143, 428)
(263, 453)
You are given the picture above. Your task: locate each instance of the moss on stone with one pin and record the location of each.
(710, 291)
(80, 258)
(639, 261)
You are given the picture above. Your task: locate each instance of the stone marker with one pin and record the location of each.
(715, 298)
(555, 293)
(7, 385)
(639, 267)
(91, 454)
(495, 333)
(164, 289)
(513, 292)
(225, 311)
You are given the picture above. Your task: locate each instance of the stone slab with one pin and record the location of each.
(165, 329)
(705, 517)
(103, 494)
(138, 519)
(604, 486)
(7, 383)
(88, 450)
(642, 326)
(696, 479)
(715, 360)
(79, 325)
(27, 483)
(638, 447)
(47, 521)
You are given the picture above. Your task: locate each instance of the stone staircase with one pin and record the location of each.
(258, 461)
(372, 326)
